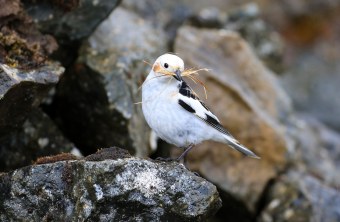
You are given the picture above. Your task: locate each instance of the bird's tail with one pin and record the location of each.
(233, 143)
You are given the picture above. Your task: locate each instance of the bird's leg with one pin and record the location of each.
(186, 151)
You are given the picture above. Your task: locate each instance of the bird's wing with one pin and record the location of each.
(191, 103)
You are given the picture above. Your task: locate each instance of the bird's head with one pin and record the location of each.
(169, 65)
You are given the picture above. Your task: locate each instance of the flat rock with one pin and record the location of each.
(250, 103)
(129, 189)
(99, 93)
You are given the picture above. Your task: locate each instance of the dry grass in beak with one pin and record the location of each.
(190, 73)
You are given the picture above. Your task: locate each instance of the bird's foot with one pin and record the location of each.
(166, 159)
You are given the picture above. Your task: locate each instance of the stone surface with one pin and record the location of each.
(317, 151)
(21, 44)
(21, 90)
(300, 197)
(248, 22)
(38, 136)
(250, 103)
(95, 100)
(128, 189)
(71, 20)
(267, 43)
(311, 33)
(26, 132)
(313, 82)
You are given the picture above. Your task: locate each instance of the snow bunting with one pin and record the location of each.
(176, 114)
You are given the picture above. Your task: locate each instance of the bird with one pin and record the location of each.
(176, 114)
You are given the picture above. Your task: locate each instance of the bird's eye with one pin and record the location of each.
(166, 65)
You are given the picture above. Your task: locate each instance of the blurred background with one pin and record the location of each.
(273, 82)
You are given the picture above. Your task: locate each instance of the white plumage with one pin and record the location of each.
(175, 113)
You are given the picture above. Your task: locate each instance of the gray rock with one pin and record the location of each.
(317, 151)
(83, 17)
(209, 18)
(96, 99)
(313, 82)
(21, 91)
(266, 42)
(37, 137)
(25, 131)
(128, 189)
(301, 197)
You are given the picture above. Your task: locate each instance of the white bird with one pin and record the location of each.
(176, 114)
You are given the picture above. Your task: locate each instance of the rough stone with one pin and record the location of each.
(25, 131)
(69, 20)
(311, 33)
(313, 82)
(22, 90)
(170, 15)
(266, 42)
(300, 197)
(96, 98)
(250, 103)
(317, 151)
(37, 137)
(21, 44)
(128, 189)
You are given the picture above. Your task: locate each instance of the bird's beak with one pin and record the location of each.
(178, 75)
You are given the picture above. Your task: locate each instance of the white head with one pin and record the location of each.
(170, 64)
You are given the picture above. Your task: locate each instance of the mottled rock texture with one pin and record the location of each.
(127, 189)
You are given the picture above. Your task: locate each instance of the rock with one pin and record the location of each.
(314, 80)
(247, 21)
(23, 90)
(95, 101)
(209, 18)
(25, 131)
(21, 44)
(250, 103)
(300, 197)
(71, 20)
(266, 42)
(310, 30)
(37, 137)
(170, 15)
(129, 189)
(318, 150)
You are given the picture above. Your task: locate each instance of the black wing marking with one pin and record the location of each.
(205, 107)
(216, 124)
(185, 90)
(186, 106)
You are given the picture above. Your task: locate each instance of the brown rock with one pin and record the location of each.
(248, 101)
